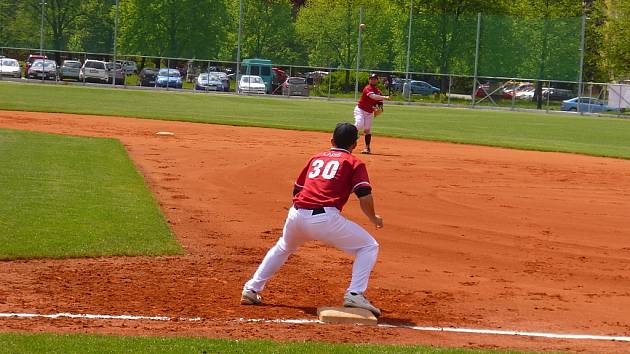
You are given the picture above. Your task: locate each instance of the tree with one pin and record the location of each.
(331, 29)
(444, 35)
(268, 31)
(616, 35)
(170, 28)
(60, 18)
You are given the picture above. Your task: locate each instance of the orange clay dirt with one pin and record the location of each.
(474, 237)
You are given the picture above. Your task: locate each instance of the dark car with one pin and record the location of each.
(147, 76)
(555, 94)
(42, 69)
(295, 86)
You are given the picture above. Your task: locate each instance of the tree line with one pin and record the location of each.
(538, 39)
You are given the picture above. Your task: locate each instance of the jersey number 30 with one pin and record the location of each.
(328, 172)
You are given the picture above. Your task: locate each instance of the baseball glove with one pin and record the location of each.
(378, 109)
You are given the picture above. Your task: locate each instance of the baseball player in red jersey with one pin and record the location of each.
(364, 111)
(321, 190)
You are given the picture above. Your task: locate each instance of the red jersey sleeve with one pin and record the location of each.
(360, 176)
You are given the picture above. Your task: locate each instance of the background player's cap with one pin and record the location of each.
(345, 135)
(373, 76)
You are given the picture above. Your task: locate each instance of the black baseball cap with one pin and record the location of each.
(373, 76)
(345, 135)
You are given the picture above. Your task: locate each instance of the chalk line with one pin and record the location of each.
(306, 321)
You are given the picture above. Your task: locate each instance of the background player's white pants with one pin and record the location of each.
(362, 119)
(331, 228)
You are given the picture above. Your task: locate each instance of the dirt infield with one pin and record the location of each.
(474, 237)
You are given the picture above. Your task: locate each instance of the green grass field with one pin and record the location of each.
(64, 196)
(590, 135)
(73, 196)
(51, 343)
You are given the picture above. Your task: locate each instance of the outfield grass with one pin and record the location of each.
(589, 135)
(64, 196)
(52, 343)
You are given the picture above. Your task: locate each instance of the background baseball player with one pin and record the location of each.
(321, 190)
(370, 104)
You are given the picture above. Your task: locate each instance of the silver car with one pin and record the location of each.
(70, 69)
(10, 67)
(208, 82)
(118, 74)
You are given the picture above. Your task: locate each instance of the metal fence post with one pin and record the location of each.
(329, 81)
(476, 59)
(580, 83)
(238, 45)
(114, 59)
(409, 50)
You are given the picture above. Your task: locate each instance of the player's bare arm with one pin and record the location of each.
(378, 97)
(367, 206)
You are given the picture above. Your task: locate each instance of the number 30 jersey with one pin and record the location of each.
(329, 178)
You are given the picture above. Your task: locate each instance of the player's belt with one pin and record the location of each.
(316, 211)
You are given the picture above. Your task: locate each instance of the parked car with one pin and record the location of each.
(421, 87)
(147, 77)
(315, 77)
(128, 66)
(94, 70)
(555, 94)
(515, 89)
(10, 67)
(527, 95)
(70, 69)
(279, 77)
(586, 104)
(30, 60)
(116, 74)
(42, 69)
(224, 78)
(251, 84)
(208, 82)
(494, 89)
(295, 86)
(168, 78)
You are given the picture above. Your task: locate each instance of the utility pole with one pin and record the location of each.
(41, 31)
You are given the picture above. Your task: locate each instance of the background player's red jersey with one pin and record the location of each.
(329, 178)
(366, 103)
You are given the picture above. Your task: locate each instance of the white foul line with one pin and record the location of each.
(305, 321)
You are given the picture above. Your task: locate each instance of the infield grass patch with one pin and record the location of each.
(590, 135)
(52, 343)
(63, 196)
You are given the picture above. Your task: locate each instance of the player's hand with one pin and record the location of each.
(377, 221)
(386, 97)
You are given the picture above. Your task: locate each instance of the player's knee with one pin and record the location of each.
(371, 248)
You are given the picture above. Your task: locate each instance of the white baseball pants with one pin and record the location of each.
(331, 228)
(363, 120)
